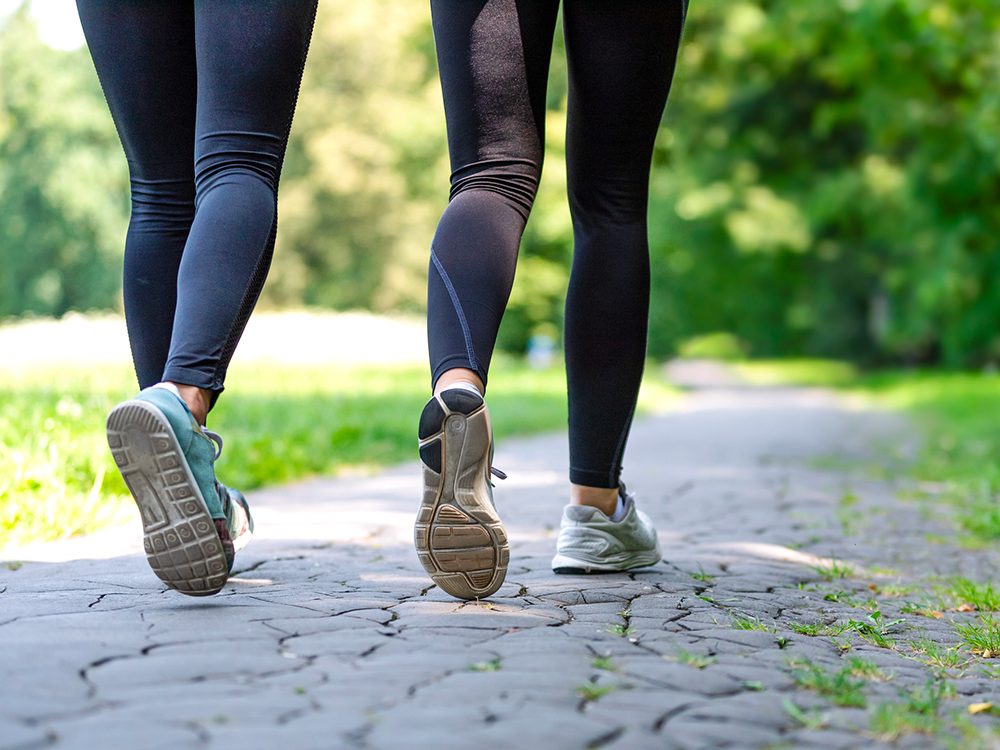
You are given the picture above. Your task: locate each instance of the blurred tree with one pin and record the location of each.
(827, 180)
(367, 172)
(63, 181)
(831, 180)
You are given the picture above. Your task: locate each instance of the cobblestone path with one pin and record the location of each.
(792, 548)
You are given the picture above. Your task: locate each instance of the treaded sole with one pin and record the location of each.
(179, 536)
(564, 565)
(460, 539)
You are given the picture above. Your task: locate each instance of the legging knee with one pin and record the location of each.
(515, 180)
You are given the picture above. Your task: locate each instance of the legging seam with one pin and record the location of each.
(459, 312)
(620, 447)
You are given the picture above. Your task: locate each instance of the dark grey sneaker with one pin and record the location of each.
(590, 542)
(458, 535)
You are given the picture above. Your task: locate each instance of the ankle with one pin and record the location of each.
(603, 498)
(459, 377)
(198, 400)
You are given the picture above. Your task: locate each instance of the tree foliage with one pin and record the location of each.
(63, 181)
(826, 180)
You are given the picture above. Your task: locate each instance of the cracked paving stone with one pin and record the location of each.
(330, 635)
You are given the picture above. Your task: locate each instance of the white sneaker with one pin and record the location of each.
(590, 542)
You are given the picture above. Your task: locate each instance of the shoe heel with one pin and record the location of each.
(179, 536)
(459, 538)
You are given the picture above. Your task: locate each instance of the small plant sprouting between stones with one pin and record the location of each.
(741, 622)
(834, 570)
(965, 595)
(620, 630)
(813, 629)
(875, 628)
(591, 691)
(935, 655)
(604, 663)
(894, 590)
(841, 597)
(694, 660)
(702, 576)
(811, 719)
(841, 687)
(921, 609)
(869, 670)
(982, 639)
(917, 712)
(492, 665)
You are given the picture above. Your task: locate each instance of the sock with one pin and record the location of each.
(169, 387)
(464, 385)
(619, 513)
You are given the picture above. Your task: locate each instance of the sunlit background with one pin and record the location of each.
(826, 178)
(826, 185)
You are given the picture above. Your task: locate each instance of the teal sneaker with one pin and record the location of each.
(590, 542)
(192, 524)
(460, 539)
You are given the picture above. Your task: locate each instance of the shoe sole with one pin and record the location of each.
(179, 535)
(565, 565)
(460, 539)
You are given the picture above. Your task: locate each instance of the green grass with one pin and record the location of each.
(812, 719)
(702, 576)
(750, 623)
(982, 638)
(280, 423)
(813, 629)
(604, 663)
(919, 711)
(938, 656)
(698, 661)
(590, 691)
(980, 596)
(622, 631)
(875, 628)
(805, 372)
(842, 687)
(493, 665)
(834, 570)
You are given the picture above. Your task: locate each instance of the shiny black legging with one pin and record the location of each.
(493, 57)
(202, 94)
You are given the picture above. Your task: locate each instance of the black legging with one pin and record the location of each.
(493, 57)
(202, 94)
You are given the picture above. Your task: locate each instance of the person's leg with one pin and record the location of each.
(621, 61)
(144, 54)
(493, 57)
(621, 56)
(250, 58)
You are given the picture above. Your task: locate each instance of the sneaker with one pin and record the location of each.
(192, 524)
(590, 542)
(459, 537)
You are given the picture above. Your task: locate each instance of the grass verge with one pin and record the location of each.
(281, 424)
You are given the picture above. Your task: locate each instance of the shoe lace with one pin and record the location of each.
(215, 438)
(497, 473)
